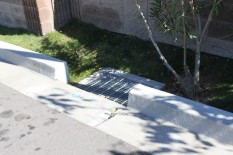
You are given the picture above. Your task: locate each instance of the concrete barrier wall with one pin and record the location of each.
(196, 117)
(43, 64)
(12, 14)
(122, 16)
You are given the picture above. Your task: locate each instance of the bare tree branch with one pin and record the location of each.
(165, 62)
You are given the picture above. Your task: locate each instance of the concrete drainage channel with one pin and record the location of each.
(108, 85)
(115, 85)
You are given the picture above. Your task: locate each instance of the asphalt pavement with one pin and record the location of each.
(30, 127)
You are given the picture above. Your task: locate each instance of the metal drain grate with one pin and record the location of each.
(113, 87)
(114, 84)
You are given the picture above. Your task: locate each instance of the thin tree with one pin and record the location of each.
(173, 17)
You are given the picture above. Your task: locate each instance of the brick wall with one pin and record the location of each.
(44, 16)
(38, 16)
(12, 13)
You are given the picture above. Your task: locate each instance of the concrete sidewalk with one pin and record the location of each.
(88, 108)
(155, 136)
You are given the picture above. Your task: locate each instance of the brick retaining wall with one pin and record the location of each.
(38, 16)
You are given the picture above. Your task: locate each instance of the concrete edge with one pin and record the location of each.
(134, 78)
(195, 116)
(43, 64)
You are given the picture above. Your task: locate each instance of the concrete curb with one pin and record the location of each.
(132, 77)
(51, 67)
(196, 117)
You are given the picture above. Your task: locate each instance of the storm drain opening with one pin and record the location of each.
(114, 85)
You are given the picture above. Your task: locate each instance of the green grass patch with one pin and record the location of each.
(88, 49)
(20, 37)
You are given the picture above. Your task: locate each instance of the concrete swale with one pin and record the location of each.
(115, 85)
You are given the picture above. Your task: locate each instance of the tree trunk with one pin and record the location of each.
(197, 63)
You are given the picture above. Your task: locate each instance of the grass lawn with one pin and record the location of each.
(88, 49)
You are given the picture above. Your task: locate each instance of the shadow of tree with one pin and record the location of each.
(131, 153)
(194, 116)
(60, 103)
(165, 137)
(64, 101)
(123, 52)
(223, 96)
